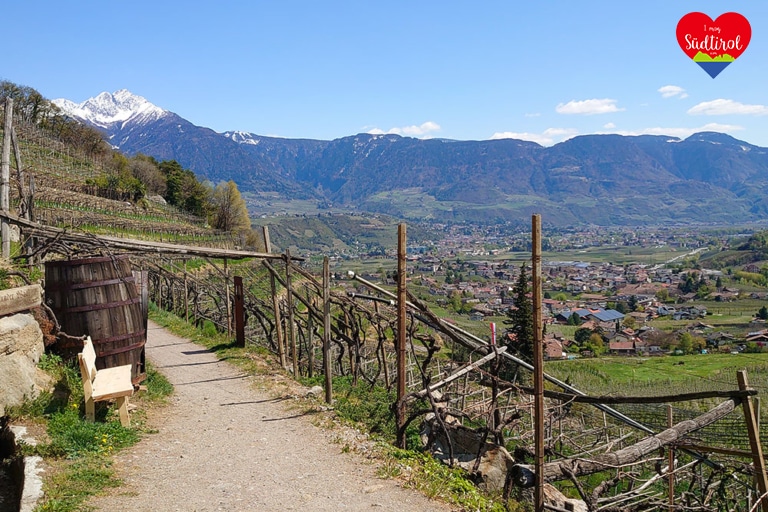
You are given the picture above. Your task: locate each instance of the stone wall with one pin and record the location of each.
(21, 345)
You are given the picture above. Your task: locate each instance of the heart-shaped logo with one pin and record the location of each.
(713, 45)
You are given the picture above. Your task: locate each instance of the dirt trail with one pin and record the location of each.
(224, 445)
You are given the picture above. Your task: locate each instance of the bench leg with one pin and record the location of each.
(122, 406)
(90, 410)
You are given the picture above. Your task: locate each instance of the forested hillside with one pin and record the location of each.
(80, 181)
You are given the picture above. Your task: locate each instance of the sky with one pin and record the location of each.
(543, 71)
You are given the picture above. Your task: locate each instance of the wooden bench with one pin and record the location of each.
(104, 384)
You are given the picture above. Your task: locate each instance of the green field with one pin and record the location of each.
(663, 375)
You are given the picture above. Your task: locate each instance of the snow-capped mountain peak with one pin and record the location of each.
(242, 137)
(106, 110)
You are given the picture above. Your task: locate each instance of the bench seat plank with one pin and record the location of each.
(104, 384)
(112, 383)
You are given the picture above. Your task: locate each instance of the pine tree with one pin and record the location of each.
(521, 317)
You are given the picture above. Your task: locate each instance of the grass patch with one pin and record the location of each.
(158, 387)
(71, 485)
(78, 452)
(437, 481)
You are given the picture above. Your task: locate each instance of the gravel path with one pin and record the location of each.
(225, 445)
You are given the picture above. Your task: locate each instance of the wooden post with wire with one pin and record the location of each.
(401, 326)
(671, 463)
(239, 312)
(310, 340)
(754, 442)
(538, 363)
(5, 179)
(327, 331)
(278, 321)
(186, 293)
(267, 243)
(291, 320)
(229, 300)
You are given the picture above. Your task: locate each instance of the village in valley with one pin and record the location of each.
(670, 303)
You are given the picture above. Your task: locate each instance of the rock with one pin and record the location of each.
(23, 298)
(21, 345)
(555, 498)
(315, 392)
(157, 199)
(495, 461)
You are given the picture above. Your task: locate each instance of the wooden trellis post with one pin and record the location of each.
(186, 294)
(291, 326)
(229, 304)
(327, 331)
(310, 342)
(538, 364)
(401, 312)
(754, 442)
(5, 176)
(239, 313)
(671, 463)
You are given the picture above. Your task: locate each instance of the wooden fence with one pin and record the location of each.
(585, 440)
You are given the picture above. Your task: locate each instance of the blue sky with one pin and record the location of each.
(459, 70)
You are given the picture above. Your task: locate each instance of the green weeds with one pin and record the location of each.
(79, 452)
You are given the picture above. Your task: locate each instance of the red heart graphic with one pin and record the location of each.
(729, 34)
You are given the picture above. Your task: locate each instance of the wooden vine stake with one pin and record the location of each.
(310, 341)
(327, 331)
(239, 311)
(754, 442)
(538, 364)
(291, 325)
(229, 300)
(671, 463)
(5, 179)
(278, 321)
(401, 305)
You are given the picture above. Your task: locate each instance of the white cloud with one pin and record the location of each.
(723, 107)
(422, 130)
(682, 132)
(588, 107)
(546, 138)
(670, 91)
(609, 126)
(533, 114)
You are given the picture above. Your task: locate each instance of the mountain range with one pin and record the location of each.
(592, 179)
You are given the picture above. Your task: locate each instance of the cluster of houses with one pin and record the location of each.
(484, 288)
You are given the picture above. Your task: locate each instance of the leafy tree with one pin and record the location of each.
(685, 343)
(582, 335)
(719, 283)
(574, 319)
(702, 291)
(663, 295)
(229, 210)
(687, 286)
(763, 313)
(630, 322)
(183, 190)
(146, 170)
(632, 303)
(455, 302)
(596, 344)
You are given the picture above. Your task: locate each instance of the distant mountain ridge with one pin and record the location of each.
(596, 179)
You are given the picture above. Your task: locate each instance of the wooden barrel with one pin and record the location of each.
(98, 297)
